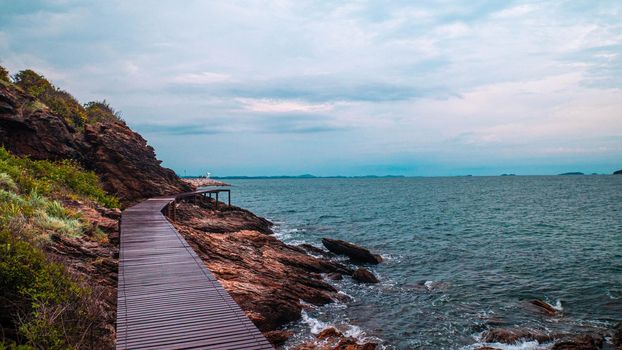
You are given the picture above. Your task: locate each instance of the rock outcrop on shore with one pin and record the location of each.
(353, 251)
(126, 165)
(269, 279)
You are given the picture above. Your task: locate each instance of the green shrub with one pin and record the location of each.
(4, 75)
(60, 102)
(45, 300)
(101, 111)
(45, 177)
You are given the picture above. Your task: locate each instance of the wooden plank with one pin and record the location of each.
(167, 298)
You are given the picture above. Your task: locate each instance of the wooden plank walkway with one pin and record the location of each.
(167, 298)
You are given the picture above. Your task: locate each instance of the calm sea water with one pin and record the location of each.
(462, 253)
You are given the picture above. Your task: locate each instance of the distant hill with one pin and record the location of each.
(305, 176)
(619, 172)
(573, 173)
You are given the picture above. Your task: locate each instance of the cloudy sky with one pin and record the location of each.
(333, 87)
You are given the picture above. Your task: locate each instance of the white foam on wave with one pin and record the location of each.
(429, 285)
(522, 345)
(558, 305)
(315, 325)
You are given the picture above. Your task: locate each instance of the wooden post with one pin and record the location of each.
(229, 196)
(216, 200)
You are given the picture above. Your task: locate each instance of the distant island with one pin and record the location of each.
(618, 172)
(508, 174)
(305, 176)
(573, 173)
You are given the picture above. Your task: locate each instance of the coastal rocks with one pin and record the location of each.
(543, 307)
(616, 338)
(581, 342)
(126, 165)
(269, 279)
(332, 339)
(277, 337)
(617, 172)
(365, 276)
(329, 332)
(335, 276)
(354, 252)
(204, 217)
(512, 335)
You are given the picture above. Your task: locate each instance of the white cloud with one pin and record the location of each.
(201, 78)
(282, 106)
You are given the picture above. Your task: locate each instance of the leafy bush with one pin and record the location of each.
(4, 75)
(59, 101)
(47, 305)
(45, 177)
(101, 111)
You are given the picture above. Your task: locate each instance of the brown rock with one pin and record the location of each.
(364, 275)
(314, 250)
(265, 276)
(512, 335)
(335, 276)
(487, 348)
(543, 306)
(126, 165)
(204, 217)
(581, 342)
(353, 251)
(330, 332)
(278, 337)
(617, 335)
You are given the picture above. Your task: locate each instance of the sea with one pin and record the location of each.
(462, 254)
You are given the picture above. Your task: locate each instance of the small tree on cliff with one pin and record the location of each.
(101, 111)
(4, 74)
(59, 101)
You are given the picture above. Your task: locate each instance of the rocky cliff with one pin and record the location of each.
(125, 163)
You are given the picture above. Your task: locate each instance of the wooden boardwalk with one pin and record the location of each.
(167, 298)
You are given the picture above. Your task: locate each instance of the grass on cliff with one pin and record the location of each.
(60, 102)
(42, 304)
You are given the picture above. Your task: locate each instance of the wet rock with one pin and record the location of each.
(204, 217)
(487, 348)
(335, 276)
(353, 251)
(512, 335)
(330, 332)
(269, 279)
(278, 337)
(581, 342)
(314, 250)
(364, 275)
(616, 338)
(544, 307)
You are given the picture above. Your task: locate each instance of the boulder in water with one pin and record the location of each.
(543, 306)
(330, 332)
(512, 335)
(364, 275)
(353, 251)
(581, 342)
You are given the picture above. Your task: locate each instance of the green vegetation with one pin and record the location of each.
(47, 96)
(44, 303)
(101, 111)
(61, 178)
(4, 74)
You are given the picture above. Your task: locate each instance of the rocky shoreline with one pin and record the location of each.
(271, 281)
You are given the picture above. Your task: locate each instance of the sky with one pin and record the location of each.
(425, 88)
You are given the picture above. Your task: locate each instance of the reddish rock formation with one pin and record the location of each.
(125, 163)
(92, 259)
(330, 332)
(581, 342)
(265, 276)
(544, 307)
(352, 251)
(364, 275)
(512, 335)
